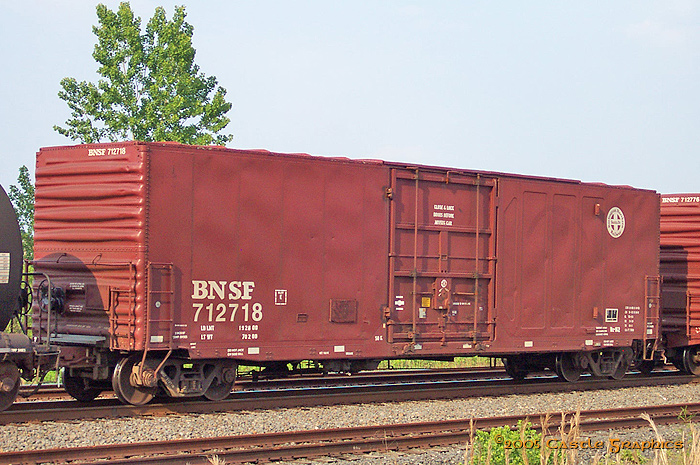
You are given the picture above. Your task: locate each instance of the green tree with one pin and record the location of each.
(150, 90)
(22, 198)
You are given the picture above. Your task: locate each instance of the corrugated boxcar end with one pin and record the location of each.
(680, 269)
(90, 218)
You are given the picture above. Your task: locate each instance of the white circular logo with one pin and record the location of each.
(443, 283)
(616, 222)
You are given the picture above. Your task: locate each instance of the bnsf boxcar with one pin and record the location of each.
(180, 262)
(680, 269)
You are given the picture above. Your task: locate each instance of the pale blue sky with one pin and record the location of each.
(598, 91)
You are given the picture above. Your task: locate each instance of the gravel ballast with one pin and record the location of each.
(49, 435)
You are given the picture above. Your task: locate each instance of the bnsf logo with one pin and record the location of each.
(234, 290)
(225, 301)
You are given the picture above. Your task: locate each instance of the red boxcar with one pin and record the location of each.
(680, 269)
(178, 262)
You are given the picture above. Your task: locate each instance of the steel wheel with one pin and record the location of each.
(678, 362)
(645, 367)
(121, 383)
(222, 385)
(514, 369)
(79, 388)
(218, 391)
(691, 360)
(621, 369)
(566, 367)
(9, 384)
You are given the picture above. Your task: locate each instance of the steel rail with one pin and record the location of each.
(52, 391)
(308, 444)
(291, 398)
(296, 381)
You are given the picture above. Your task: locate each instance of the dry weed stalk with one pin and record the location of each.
(691, 455)
(660, 456)
(469, 454)
(544, 427)
(215, 460)
(694, 446)
(523, 451)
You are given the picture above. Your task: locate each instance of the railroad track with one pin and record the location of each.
(53, 391)
(316, 443)
(333, 395)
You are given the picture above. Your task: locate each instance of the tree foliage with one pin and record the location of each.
(150, 90)
(22, 198)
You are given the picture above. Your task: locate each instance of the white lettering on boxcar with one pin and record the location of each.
(443, 223)
(100, 152)
(689, 199)
(443, 214)
(220, 301)
(280, 297)
(237, 290)
(630, 315)
(116, 151)
(97, 152)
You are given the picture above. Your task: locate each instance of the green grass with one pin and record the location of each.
(459, 362)
(404, 364)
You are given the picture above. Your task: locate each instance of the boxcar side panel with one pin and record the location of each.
(286, 256)
(572, 265)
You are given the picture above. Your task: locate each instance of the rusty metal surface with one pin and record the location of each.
(261, 256)
(680, 268)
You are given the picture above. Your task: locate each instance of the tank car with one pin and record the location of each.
(179, 263)
(19, 357)
(680, 269)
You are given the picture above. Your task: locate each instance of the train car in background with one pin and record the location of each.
(680, 269)
(180, 262)
(19, 358)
